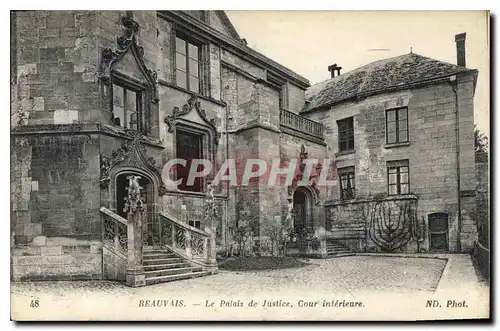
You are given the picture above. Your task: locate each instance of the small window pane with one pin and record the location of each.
(193, 68)
(403, 136)
(391, 138)
(117, 95)
(393, 190)
(180, 61)
(341, 126)
(350, 123)
(193, 51)
(130, 100)
(343, 181)
(403, 125)
(393, 178)
(391, 115)
(403, 169)
(402, 113)
(404, 189)
(351, 180)
(404, 178)
(350, 144)
(393, 170)
(194, 84)
(180, 45)
(391, 127)
(181, 78)
(343, 145)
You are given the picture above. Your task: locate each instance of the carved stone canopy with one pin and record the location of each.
(193, 103)
(127, 43)
(132, 154)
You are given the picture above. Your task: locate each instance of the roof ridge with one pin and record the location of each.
(380, 75)
(388, 59)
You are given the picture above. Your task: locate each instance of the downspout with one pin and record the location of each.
(453, 82)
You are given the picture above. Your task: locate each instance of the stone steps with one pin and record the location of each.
(334, 248)
(148, 256)
(163, 266)
(166, 266)
(171, 278)
(172, 271)
(155, 261)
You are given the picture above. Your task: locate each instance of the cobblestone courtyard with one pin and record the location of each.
(349, 277)
(343, 274)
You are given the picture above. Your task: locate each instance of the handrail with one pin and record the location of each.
(301, 123)
(114, 231)
(114, 216)
(193, 244)
(184, 225)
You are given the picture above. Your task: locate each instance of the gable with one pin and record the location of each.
(220, 22)
(128, 66)
(216, 19)
(222, 17)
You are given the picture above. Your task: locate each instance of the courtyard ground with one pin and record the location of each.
(376, 281)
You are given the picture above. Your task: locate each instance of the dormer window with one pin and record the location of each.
(129, 86)
(128, 107)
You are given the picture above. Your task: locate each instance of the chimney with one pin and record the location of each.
(460, 41)
(334, 68)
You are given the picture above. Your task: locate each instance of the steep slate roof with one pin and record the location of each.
(388, 74)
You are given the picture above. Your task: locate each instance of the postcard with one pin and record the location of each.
(249, 165)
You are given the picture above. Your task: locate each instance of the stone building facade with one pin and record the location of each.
(412, 114)
(100, 96)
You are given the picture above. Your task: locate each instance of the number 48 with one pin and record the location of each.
(34, 304)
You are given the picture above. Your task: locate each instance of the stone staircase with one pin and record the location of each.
(162, 265)
(334, 248)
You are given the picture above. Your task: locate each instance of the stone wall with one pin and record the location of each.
(296, 98)
(431, 151)
(55, 181)
(55, 216)
(56, 68)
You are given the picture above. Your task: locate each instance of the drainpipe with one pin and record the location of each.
(453, 82)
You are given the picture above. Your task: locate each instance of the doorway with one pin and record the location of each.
(302, 212)
(438, 232)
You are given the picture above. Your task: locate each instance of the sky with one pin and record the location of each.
(309, 41)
